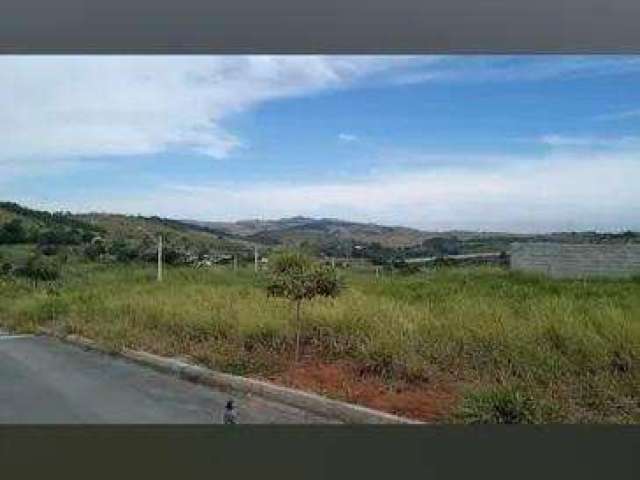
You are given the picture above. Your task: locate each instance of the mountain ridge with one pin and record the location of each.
(301, 228)
(325, 235)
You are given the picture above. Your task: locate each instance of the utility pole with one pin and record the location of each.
(255, 258)
(160, 257)
(235, 262)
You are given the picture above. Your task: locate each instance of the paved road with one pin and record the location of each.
(43, 380)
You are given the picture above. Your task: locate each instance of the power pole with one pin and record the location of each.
(255, 258)
(235, 262)
(160, 257)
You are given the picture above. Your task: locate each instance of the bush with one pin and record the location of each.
(408, 268)
(39, 268)
(174, 256)
(48, 248)
(13, 232)
(499, 405)
(123, 251)
(95, 249)
(5, 268)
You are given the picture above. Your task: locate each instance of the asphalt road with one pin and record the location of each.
(43, 380)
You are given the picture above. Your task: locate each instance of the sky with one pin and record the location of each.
(490, 143)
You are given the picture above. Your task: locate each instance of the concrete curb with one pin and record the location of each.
(317, 404)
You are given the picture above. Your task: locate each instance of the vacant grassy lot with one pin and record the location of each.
(475, 345)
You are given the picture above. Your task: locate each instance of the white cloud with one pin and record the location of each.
(347, 137)
(590, 141)
(556, 192)
(70, 107)
(623, 115)
(522, 68)
(60, 107)
(58, 111)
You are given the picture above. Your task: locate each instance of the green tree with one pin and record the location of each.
(13, 232)
(123, 251)
(294, 276)
(174, 255)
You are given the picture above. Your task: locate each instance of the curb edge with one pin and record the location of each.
(317, 404)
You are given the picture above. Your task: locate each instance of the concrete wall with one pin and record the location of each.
(576, 261)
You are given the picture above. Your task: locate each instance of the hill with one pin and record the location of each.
(381, 244)
(323, 236)
(130, 227)
(120, 237)
(296, 230)
(20, 224)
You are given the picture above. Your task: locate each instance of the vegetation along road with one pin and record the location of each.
(439, 343)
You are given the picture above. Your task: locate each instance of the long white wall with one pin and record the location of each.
(560, 260)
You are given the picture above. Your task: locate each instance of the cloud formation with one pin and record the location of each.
(59, 112)
(347, 137)
(558, 191)
(65, 107)
(623, 115)
(591, 141)
(86, 106)
(521, 68)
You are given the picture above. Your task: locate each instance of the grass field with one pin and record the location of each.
(478, 344)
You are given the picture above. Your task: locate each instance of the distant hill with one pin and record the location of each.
(296, 230)
(323, 236)
(137, 227)
(20, 224)
(332, 237)
(39, 218)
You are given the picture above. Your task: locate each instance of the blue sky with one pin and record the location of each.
(512, 143)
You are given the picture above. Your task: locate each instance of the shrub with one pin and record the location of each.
(48, 248)
(499, 405)
(39, 268)
(123, 251)
(13, 232)
(95, 249)
(5, 268)
(408, 268)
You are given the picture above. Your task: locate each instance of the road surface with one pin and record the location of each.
(43, 380)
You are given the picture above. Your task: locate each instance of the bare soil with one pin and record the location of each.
(426, 401)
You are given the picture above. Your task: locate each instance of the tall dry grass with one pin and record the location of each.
(570, 349)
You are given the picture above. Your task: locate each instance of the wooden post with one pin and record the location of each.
(255, 258)
(159, 258)
(235, 262)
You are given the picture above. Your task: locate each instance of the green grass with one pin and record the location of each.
(16, 254)
(523, 348)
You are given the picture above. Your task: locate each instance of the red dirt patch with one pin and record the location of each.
(425, 401)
